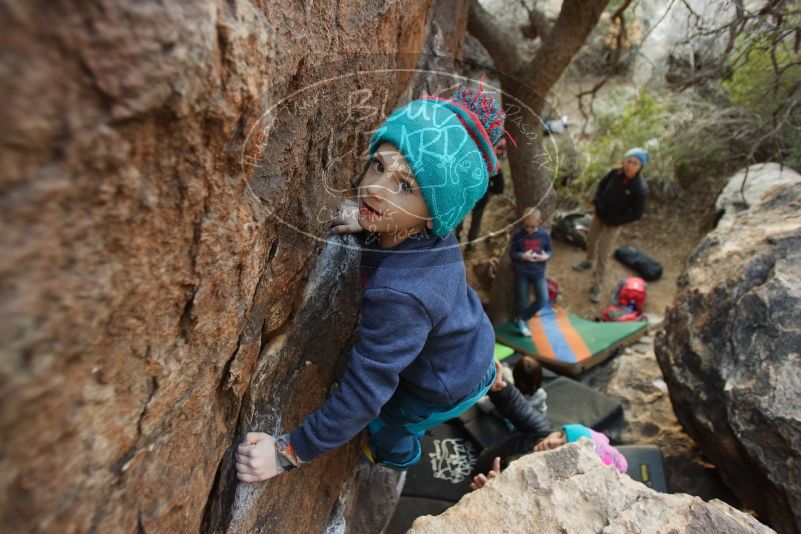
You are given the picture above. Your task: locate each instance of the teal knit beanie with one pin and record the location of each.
(448, 144)
(639, 153)
(575, 432)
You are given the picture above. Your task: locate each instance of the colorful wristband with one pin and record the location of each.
(285, 453)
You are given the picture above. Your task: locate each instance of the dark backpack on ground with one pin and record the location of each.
(647, 267)
(572, 227)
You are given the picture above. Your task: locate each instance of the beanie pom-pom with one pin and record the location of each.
(485, 107)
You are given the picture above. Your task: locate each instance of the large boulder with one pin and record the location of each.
(167, 175)
(731, 353)
(746, 188)
(569, 490)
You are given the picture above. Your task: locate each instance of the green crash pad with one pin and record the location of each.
(568, 343)
(502, 352)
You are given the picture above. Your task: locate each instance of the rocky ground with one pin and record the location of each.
(634, 377)
(669, 232)
(570, 490)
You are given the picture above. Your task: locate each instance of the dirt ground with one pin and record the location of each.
(669, 232)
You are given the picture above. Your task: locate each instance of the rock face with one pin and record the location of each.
(569, 490)
(730, 353)
(746, 188)
(167, 175)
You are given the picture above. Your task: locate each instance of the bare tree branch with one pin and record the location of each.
(764, 132)
(618, 14)
(538, 25)
(499, 43)
(588, 111)
(576, 20)
(742, 19)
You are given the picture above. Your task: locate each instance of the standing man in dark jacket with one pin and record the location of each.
(620, 199)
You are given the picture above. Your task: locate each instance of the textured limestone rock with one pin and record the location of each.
(730, 354)
(747, 187)
(441, 62)
(570, 490)
(164, 176)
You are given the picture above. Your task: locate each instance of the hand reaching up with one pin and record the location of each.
(346, 220)
(479, 481)
(499, 382)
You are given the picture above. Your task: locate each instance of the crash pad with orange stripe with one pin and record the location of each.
(566, 342)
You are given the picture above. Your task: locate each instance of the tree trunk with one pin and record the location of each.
(525, 86)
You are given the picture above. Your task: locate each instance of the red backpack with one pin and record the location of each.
(628, 302)
(553, 290)
(631, 292)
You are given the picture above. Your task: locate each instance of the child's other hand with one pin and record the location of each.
(479, 481)
(540, 257)
(529, 255)
(256, 458)
(346, 220)
(499, 383)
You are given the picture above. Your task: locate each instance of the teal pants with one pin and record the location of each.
(395, 435)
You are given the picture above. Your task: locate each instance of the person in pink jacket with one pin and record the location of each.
(568, 434)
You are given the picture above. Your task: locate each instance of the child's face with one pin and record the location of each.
(390, 202)
(531, 223)
(631, 166)
(551, 441)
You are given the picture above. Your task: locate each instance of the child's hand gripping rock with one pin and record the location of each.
(480, 480)
(346, 220)
(261, 457)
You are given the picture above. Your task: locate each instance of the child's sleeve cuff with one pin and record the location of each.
(304, 450)
(285, 453)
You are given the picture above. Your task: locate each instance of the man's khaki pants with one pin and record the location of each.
(601, 243)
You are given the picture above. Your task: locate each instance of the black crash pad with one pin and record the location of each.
(487, 429)
(410, 508)
(443, 472)
(645, 465)
(570, 401)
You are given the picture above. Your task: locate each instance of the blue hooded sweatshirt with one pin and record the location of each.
(422, 328)
(538, 240)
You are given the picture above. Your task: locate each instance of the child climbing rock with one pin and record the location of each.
(530, 249)
(425, 347)
(570, 433)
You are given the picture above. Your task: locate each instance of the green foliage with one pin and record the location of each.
(765, 77)
(753, 115)
(647, 121)
(754, 83)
